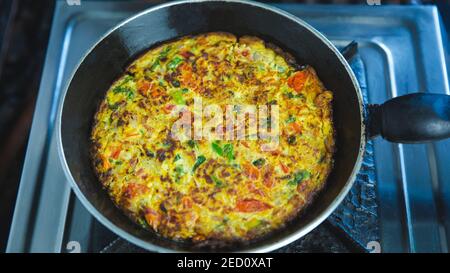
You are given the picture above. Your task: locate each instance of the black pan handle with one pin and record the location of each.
(413, 118)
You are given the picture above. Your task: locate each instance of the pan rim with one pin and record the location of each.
(258, 249)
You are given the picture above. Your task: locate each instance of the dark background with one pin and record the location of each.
(24, 32)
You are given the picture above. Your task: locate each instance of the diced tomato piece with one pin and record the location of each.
(253, 189)
(105, 163)
(297, 80)
(153, 218)
(275, 152)
(245, 143)
(155, 93)
(251, 205)
(268, 182)
(187, 202)
(184, 67)
(143, 86)
(116, 152)
(186, 54)
(284, 168)
(147, 89)
(296, 127)
(267, 176)
(187, 77)
(251, 171)
(134, 189)
(168, 108)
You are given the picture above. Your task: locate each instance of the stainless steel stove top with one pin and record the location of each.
(402, 49)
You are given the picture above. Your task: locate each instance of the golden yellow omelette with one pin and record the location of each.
(204, 190)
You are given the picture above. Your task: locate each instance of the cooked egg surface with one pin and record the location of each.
(204, 190)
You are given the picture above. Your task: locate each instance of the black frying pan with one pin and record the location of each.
(412, 118)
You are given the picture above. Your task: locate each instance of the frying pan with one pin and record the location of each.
(416, 117)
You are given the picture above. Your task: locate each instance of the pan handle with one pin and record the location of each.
(412, 118)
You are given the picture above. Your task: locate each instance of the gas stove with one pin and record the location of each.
(400, 201)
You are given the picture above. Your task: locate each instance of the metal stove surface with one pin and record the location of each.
(402, 51)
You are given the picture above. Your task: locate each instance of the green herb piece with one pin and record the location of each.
(149, 153)
(113, 106)
(165, 52)
(236, 166)
(280, 68)
(126, 79)
(155, 65)
(177, 157)
(177, 97)
(290, 119)
(216, 147)
(130, 95)
(217, 181)
(162, 55)
(192, 143)
(179, 172)
(198, 162)
(176, 83)
(291, 95)
(174, 62)
(228, 151)
(124, 90)
(142, 222)
(259, 162)
(184, 90)
(120, 89)
(291, 139)
(299, 177)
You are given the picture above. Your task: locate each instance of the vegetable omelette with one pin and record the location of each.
(213, 190)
